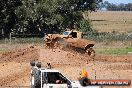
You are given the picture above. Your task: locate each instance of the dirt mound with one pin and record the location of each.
(15, 65)
(57, 56)
(20, 55)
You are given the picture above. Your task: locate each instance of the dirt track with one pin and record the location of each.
(15, 67)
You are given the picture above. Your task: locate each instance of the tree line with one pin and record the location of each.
(116, 7)
(43, 16)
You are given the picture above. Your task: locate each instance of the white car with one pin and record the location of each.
(50, 78)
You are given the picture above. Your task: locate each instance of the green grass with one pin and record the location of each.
(3, 49)
(22, 40)
(113, 51)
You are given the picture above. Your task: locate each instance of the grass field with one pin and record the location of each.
(21, 40)
(17, 43)
(108, 21)
(114, 51)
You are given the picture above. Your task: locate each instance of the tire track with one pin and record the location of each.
(4, 81)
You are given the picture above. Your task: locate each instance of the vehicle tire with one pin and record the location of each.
(91, 52)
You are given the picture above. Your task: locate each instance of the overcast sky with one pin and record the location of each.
(119, 1)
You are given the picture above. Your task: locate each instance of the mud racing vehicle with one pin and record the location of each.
(70, 40)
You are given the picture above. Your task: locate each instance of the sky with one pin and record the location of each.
(119, 1)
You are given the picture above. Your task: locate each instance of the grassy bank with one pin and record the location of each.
(114, 51)
(3, 49)
(21, 40)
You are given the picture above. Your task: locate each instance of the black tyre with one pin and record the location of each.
(91, 52)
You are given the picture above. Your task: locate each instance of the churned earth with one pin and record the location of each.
(15, 65)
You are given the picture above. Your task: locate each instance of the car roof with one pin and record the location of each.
(49, 70)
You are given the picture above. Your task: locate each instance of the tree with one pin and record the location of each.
(117, 7)
(54, 15)
(35, 16)
(8, 17)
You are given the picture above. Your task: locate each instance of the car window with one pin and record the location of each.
(65, 33)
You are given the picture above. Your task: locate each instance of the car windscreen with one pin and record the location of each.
(65, 33)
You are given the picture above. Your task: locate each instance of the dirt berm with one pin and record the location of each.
(15, 65)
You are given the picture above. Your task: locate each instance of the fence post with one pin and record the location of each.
(10, 38)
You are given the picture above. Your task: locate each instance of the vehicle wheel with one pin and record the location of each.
(91, 52)
(56, 44)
